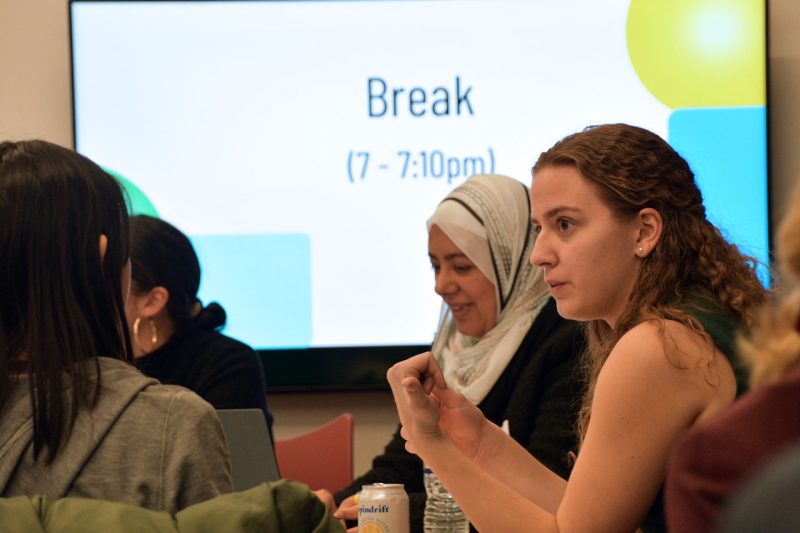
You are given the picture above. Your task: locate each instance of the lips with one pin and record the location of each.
(459, 310)
(555, 286)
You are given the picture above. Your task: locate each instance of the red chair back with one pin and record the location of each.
(321, 458)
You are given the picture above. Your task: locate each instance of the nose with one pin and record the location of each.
(445, 282)
(542, 254)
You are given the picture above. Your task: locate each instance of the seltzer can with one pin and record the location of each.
(383, 508)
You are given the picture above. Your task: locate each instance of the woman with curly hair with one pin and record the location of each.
(714, 458)
(625, 245)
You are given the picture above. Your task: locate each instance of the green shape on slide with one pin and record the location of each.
(140, 204)
(700, 53)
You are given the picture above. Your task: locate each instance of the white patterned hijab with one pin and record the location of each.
(488, 219)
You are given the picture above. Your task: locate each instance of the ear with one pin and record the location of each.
(649, 228)
(103, 246)
(153, 302)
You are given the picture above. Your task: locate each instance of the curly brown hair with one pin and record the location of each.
(773, 345)
(631, 169)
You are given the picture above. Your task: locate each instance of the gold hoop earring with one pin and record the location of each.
(153, 334)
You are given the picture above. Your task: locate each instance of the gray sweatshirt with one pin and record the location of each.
(157, 446)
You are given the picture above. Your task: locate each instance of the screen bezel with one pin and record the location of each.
(361, 368)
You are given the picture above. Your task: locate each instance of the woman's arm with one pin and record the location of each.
(643, 402)
(465, 442)
(490, 504)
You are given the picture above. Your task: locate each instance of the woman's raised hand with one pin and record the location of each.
(461, 421)
(429, 410)
(412, 382)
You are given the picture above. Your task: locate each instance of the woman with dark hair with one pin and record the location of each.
(175, 338)
(77, 418)
(625, 245)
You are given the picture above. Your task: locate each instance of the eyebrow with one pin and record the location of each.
(447, 257)
(557, 211)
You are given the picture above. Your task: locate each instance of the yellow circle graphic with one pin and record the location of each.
(700, 53)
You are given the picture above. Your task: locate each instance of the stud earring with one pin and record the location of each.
(640, 250)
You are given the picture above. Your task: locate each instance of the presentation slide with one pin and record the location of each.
(303, 145)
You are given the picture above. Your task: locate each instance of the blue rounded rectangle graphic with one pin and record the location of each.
(727, 151)
(264, 284)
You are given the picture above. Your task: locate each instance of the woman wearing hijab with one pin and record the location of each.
(500, 340)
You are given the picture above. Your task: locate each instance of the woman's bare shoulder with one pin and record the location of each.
(672, 356)
(669, 338)
(642, 403)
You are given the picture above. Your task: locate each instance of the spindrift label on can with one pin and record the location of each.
(383, 508)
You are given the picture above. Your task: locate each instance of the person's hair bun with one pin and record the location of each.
(212, 316)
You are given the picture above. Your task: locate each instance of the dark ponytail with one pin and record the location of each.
(162, 256)
(212, 316)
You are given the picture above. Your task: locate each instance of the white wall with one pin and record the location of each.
(35, 92)
(35, 97)
(784, 112)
